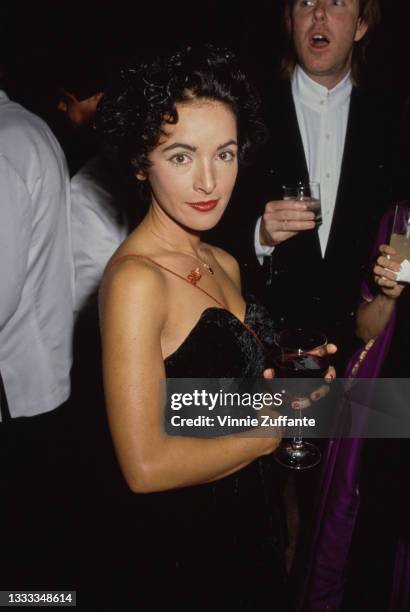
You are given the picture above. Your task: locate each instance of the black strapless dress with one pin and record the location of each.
(219, 545)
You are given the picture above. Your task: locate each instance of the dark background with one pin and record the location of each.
(38, 37)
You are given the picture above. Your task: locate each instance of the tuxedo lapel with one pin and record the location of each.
(364, 181)
(345, 201)
(289, 161)
(287, 166)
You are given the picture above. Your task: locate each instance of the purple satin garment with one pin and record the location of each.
(339, 496)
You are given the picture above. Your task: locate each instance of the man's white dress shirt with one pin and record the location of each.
(322, 116)
(36, 268)
(97, 230)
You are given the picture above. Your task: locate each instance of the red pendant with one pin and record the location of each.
(194, 276)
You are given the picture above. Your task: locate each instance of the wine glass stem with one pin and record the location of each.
(297, 441)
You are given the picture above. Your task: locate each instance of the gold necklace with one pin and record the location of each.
(195, 275)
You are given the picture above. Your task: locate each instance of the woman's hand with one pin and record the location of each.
(329, 349)
(330, 374)
(385, 273)
(320, 392)
(323, 390)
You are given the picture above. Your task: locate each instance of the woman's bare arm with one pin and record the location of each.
(373, 316)
(133, 315)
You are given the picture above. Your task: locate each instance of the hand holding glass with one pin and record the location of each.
(302, 353)
(309, 193)
(400, 237)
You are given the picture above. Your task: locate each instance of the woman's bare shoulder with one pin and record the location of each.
(132, 268)
(132, 280)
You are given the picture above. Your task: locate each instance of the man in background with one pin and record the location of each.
(36, 323)
(98, 223)
(324, 127)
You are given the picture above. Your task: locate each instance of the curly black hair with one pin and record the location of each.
(132, 113)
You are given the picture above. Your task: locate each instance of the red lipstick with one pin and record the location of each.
(204, 206)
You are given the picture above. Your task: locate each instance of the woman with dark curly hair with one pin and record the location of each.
(171, 306)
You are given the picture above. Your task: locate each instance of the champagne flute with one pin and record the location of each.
(301, 354)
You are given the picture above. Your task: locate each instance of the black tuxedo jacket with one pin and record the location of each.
(299, 285)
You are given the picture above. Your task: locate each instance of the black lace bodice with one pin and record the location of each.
(221, 346)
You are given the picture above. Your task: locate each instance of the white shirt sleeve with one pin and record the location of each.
(15, 232)
(261, 250)
(97, 232)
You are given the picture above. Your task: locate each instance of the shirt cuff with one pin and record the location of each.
(261, 250)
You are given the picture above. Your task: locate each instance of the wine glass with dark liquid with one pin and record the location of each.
(301, 355)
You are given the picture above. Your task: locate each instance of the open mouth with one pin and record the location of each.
(319, 41)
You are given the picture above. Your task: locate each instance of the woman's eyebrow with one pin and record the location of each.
(226, 144)
(180, 145)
